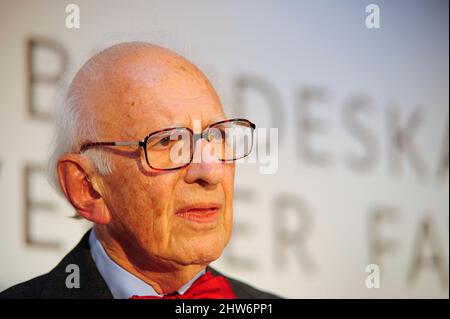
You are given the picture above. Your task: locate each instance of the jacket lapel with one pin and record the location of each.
(92, 284)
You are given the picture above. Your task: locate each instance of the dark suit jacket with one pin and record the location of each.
(92, 285)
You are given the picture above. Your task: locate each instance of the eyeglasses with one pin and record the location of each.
(173, 148)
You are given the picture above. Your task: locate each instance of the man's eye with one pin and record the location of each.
(161, 142)
(164, 141)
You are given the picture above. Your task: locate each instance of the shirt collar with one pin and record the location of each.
(120, 282)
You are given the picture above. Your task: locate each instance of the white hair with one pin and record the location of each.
(75, 125)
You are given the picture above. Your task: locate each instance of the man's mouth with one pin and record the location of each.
(201, 212)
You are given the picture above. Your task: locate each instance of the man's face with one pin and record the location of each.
(146, 205)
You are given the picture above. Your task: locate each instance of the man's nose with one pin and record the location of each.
(204, 166)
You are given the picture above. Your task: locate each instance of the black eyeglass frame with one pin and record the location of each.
(143, 142)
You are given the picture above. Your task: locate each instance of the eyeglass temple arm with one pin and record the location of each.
(88, 145)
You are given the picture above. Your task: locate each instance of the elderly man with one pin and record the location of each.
(145, 152)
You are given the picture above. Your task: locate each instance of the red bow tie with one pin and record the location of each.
(205, 287)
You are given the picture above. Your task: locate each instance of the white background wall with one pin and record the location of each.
(291, 46)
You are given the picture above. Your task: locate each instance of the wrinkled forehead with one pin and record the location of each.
(142, 98)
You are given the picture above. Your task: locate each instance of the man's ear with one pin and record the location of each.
(74, 173)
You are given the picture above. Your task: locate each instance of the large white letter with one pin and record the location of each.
(373, 19)
(73, 17)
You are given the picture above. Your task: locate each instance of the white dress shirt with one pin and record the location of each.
(120, 282)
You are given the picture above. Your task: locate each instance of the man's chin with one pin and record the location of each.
(200, 258)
